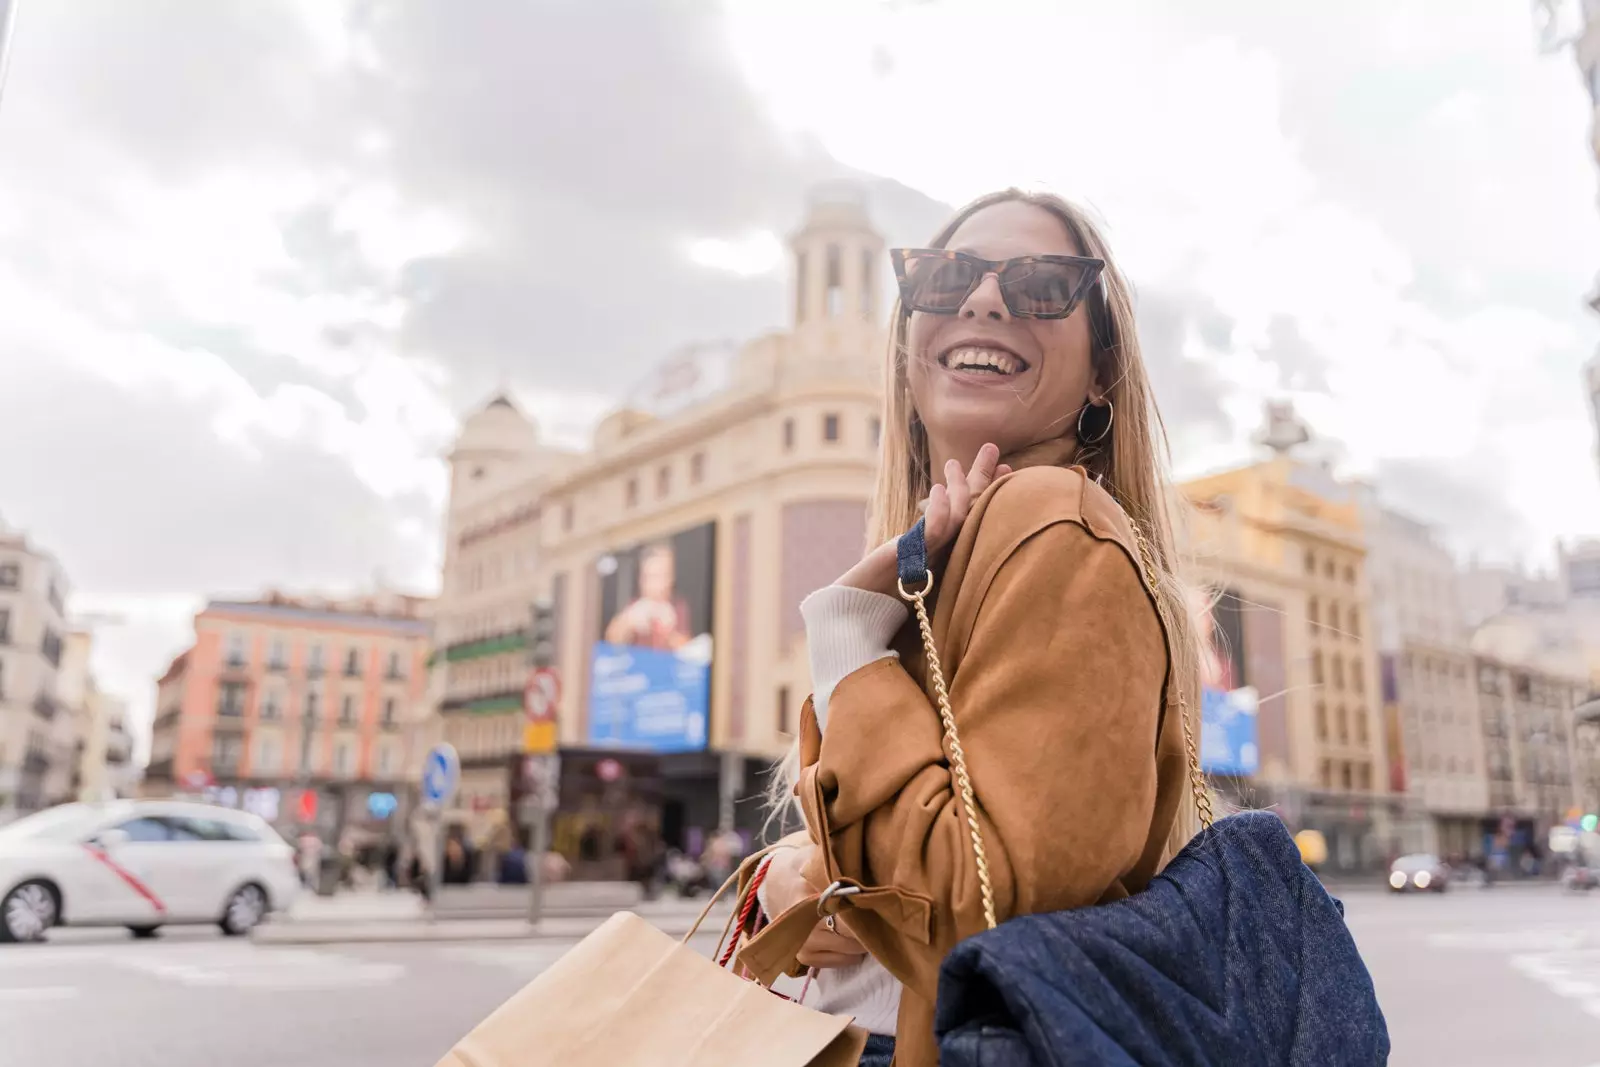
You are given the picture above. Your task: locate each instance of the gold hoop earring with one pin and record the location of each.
(1105, 431)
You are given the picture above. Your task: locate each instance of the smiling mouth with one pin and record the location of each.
(981, 359)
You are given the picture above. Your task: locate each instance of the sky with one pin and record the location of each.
(258, 257)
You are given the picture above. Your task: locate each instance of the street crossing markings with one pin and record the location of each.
(1573, 975)
(259, 967)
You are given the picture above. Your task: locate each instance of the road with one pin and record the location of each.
(1470, 979)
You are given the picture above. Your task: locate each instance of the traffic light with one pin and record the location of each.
(1590, 821)
(542, 635)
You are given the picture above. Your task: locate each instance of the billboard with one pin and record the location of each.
(650, 668)
(1228, 704)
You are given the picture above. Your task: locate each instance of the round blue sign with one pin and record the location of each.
(441, 773)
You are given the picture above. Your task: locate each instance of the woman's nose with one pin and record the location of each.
(986, 301)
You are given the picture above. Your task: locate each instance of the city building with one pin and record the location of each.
(36, 739)
(674, 555)
(1530, 740)
(1430, 694)
(1281, 545)
(281, 697)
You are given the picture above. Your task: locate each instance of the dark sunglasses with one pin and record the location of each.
(938, 281)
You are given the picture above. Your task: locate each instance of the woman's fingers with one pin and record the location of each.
(936, 519)
(983, 470)
(955, 480)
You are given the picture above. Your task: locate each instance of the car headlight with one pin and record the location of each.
(1422, 879)
(1397, 880)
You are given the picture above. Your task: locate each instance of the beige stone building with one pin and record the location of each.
(1529, 733)
(1287, 542)
(750, 469)
(1429, 686)
(36, 736)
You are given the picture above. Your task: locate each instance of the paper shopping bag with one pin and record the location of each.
(629, 995)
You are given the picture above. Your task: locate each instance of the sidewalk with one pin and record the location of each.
(373, 918)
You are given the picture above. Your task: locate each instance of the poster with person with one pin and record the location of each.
(651, 665)
(1228, 704)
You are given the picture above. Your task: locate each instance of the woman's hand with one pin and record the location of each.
(948, 504)
(785, 887)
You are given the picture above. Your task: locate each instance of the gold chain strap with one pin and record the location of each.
(958, 755)
(1197, 782)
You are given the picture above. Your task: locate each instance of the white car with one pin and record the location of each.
(141, 864)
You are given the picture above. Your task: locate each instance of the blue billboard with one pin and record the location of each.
(1228, 732)
(649, 699)
(650, 668)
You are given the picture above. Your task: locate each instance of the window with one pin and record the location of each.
(830, 427)
(268, 752)
(875, 431)
(230, 700)
(1341, 718)
(388, 712)
(1325, 774)
(697, 468)
(314, 663)
(1327, 572)
(1338, 673)
(385, 761)
(313, 705)
(663, 481)
(835, 282)
(277, 657)
(785, 726)
(633, 492)
(5, 626)
(1361, 726)
(397, 670)
(1349, 575)
(236, 649)
(10, 576)
(788, 435)
(2, 679)
(1316, 668)
(144, 831)
(867, 276)
(799, 287)
(1311, 562)
(1354, 625)
(1364, 778)
(1358, 677)
(347, 711)
(1345, 776)
(341, 758)
(1322, 721)
(226, 751)
(51, 647)
(1312, 613)
(352, 663)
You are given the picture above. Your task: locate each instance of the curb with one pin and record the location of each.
(454, 931)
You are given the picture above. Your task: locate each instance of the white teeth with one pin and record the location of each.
(969, 357)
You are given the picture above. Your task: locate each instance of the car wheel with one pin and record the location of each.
(142, 932)
(245, 910)
(28, 911)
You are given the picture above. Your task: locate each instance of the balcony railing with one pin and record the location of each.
(277, 666)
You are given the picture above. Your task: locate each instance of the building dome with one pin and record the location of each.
(499, 427)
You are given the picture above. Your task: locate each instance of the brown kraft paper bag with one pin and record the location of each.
(629, 995)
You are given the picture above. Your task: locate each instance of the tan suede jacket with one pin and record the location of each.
(1057, 665)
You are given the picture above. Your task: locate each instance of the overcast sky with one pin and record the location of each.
(257, 258)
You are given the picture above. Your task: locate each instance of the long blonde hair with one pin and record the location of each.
(1132, 463)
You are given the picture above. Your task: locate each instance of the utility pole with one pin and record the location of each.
(541, 766)
(8, 25)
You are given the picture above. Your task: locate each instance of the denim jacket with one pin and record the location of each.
(1235, 956)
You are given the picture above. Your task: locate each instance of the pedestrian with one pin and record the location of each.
(1021, 440)
(391, 864)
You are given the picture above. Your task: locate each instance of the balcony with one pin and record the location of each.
(316, 670)
(277, 666)
(35, 763)
(44, 707)
(159, 770)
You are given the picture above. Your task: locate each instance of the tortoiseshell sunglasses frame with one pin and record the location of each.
(1091, 274)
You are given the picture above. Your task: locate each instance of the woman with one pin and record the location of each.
(1020, 425)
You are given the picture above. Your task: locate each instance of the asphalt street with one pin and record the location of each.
(1470, 979)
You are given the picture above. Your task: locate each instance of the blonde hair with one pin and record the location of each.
(1131, 463)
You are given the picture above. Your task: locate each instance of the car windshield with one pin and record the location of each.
(66, 820)
(1416, 863)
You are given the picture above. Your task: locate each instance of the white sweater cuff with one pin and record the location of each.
(846, 629)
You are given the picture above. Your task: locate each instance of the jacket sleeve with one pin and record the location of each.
(1057, 697)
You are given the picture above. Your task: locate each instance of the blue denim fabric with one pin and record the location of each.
(1235, 956)
(879, 1051)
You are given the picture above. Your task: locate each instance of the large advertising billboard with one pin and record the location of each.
(1228, 704)
(650, 670)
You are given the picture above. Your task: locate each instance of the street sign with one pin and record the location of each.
(541, 776)
(441, 774)
(540, 699)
